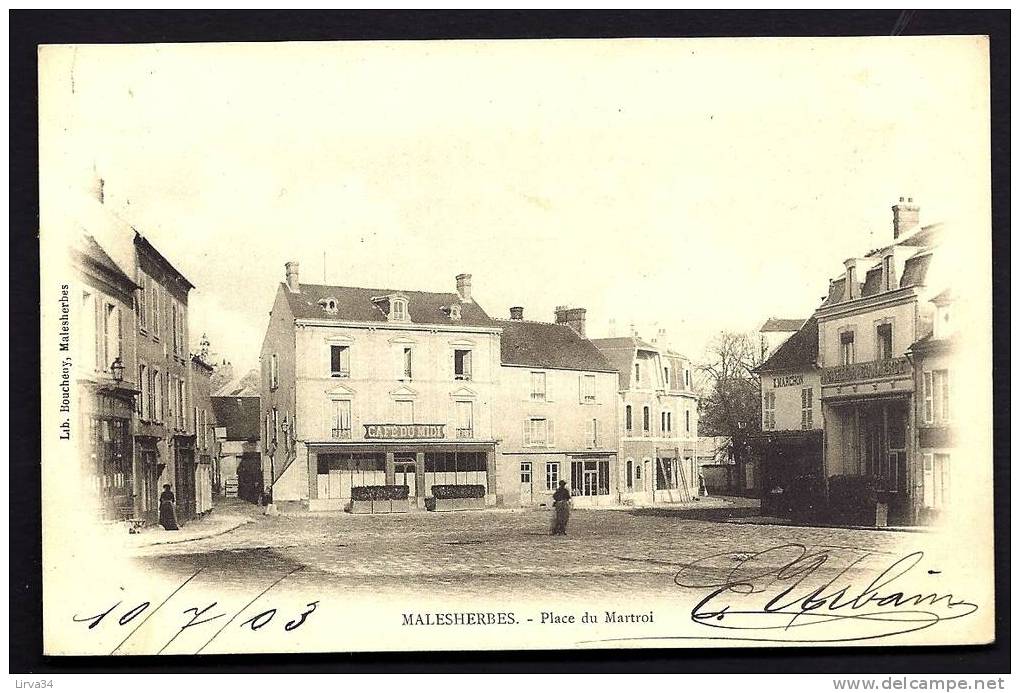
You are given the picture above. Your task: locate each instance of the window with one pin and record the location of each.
(537, 431)
(276, 425)
(591, 433)
(155, 308)
(182, 323)
(646, 420)
(538, 386)
(268, 433)
(665, 375)
(203, 427)
(662, 422)
(637, 372)
(404, 411)
(630, 474)
(156, 393)
(399, 310)
(525, 472)
(768, 414)
(941, 479)
(883, 341)
(667, 422)
(112, 336)
(687, 378)
(274, 372)
(552, 475)
(588, 389)
(806, 407)
(407, 362)
(182, 403)
(173, 325)
(141, 301)
(629, 417)
(846, 342)
(462, 364)
(340, 418)
(687, 420)
(339, 361)
(465, 420)
(142, 406)
(936, 396)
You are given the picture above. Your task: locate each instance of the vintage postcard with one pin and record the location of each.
(523, 344)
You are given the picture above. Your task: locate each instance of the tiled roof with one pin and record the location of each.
(798, 352)
(90, 249)
(355, 304)
(240, 415)
(929, 344)
(548, 345)
(782, 325)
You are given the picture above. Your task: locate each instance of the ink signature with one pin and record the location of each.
(199, 615)
(782, 594)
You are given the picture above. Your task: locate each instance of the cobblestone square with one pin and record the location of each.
(499, 552)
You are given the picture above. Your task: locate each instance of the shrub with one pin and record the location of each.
(853, 499)
(805, 497)
(444, 491)
(379, 493)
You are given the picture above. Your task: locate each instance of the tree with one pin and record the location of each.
(731, 390)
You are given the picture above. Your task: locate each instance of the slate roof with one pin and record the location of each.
(143, 243)
(798, 352)
(89, 248)
(620, 352)
(355, 304)
(240, 415)
(548, 345)
(915, 269)
(782, 325)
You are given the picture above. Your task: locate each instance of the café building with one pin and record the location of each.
(874, 312)
(364, 387)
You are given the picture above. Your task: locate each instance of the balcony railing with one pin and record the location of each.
(342, 373)
(342, 433)
(465, 433)
(869, 370)
(462, 376)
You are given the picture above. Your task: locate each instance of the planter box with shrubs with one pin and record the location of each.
(456, 497)
(380, 499)
(855, 500)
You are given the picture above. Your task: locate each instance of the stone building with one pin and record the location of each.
(101, 320)
(558, 405)
(204, 424)
(376, 386)
(658, 420)
(789, 446)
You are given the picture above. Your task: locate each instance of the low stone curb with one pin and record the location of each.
(241, 521)
(782, 522)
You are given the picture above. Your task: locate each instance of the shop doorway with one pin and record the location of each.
(404, 475)
(526, 488)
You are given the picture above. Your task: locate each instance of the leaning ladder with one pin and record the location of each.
(684, 491)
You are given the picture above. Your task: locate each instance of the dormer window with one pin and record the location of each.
(329, 305)
(454, 312)
(398, 309)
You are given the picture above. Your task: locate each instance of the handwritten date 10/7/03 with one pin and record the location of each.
(122, 616)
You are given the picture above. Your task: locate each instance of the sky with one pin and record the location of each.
(687, 185)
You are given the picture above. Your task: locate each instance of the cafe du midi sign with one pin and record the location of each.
(404, 431)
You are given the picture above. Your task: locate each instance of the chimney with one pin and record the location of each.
(572, 317)
(464, 287)
(292, 277)
(516, 312)
(906, 216)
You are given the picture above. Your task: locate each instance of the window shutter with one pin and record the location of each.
(527, 432)
(589, 432)
(580, 389)
(550, 437)
(120, 333)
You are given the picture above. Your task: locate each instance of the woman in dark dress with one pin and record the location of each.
(561, 503)
(167, 508)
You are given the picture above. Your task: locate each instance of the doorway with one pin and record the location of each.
(526, 486)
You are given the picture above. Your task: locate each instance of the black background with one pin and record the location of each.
(28, 29)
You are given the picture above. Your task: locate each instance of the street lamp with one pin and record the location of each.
(117, 368)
